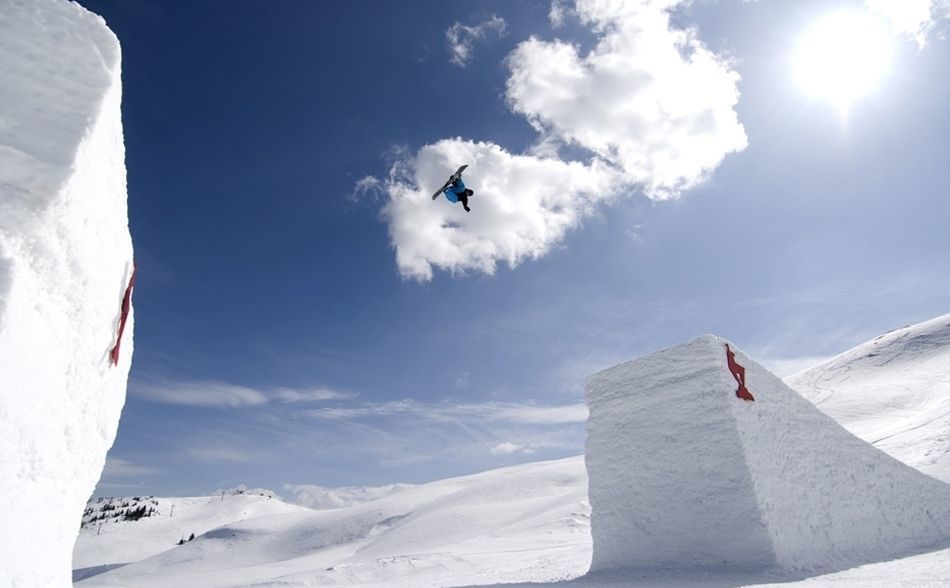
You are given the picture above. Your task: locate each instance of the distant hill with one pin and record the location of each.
(892, 391)
(113, 510)
(113, 534)
(518, 523)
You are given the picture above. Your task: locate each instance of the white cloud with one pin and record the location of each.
(219, 454)
(319, 497)
(507, 448)
(523, 413)
(198, 393)
(525, 204)
(212, 393)
(650, 105)
(321, 394)
(558, 13)
(916, 18)
(650, 99)
(367, 187)
(117, 468)
(373, 409)
(543, 415)
(461, 38)
(405, 434)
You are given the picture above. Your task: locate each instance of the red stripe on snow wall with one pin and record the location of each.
(126, 306)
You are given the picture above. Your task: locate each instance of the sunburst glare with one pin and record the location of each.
(842, 56)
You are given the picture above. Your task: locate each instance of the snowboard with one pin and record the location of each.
(451, 180)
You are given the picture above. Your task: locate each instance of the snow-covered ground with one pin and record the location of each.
(515, 524)
(527, 523)
(65, 263)
(106, 543)
(893, 392)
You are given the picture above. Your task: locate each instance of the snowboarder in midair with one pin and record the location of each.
(455, 190)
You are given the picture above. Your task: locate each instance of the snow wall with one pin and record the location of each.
(65, 264)
(685, 475)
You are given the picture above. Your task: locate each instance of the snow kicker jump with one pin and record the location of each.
(687, 473)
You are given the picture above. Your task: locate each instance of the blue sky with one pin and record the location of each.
(305, 315)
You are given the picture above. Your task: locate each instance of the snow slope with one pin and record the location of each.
(114, 543)
(514, 524)
(893, 392)
(65, 261)
(684, 474)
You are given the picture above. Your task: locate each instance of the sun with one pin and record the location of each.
(842, 56)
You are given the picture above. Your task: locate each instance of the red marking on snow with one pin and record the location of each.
(738, 372)
(126, 305)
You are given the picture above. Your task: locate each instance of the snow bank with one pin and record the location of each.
(65, 261)
(684, 475)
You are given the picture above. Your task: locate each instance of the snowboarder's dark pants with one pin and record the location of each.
(463, 198)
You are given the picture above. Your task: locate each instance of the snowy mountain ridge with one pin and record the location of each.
(114, 509)
(119, 509)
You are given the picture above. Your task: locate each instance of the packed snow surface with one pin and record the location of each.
(531, 523)
(893, 392)
(65, 262)
(110, 542)
(515, 524)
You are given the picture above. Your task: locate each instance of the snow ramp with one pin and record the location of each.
(685, 474)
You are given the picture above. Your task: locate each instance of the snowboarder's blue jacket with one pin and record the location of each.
(453, 191)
